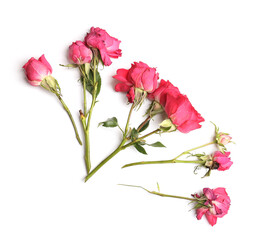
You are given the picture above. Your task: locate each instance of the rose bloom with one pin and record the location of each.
(79, 53)
(223, 161)
(140, 76)
(37, 70)
(216, 205)
(107, 45)
(224, 138)
(164, 88)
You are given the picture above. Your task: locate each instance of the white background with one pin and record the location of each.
(219, 53)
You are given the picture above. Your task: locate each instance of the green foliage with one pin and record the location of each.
(156, 144)
(110, 122)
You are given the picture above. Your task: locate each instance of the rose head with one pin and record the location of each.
(164, 88)
(107, 45)
(79, 53)
(214, 203)
(181, 113)
(37, 70)
(223, 161)
(139, 78)
(223, 138)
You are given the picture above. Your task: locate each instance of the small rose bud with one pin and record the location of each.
(79, 53)
(223, 138)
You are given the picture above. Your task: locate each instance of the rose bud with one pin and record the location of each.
(137, 81)
(37, 70)
(107, 45)
(214, 203)
(223, 138)
(79, 53)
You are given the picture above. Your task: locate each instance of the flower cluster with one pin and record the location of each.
(140, 83)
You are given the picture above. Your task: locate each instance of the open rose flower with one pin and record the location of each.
(223, 161)
(37, 70)
(139, 77)
(181, 113)
(79, 53)
(107, 45)
(164, 88)
(214, 204)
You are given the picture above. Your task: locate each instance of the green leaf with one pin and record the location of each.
(69, 65)
(110, 122)
(140, 148)
(156, 144)
(98, 81)
(134, 134)
(90, 82)
(144, 127)
(158, 187)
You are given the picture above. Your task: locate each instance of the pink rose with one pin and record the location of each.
(79, 53)
(107, 45)
(164, 88)
(139, 76)
(224, 138)
(223, 161)
(216, 204)
(181, 113)
(37, 70)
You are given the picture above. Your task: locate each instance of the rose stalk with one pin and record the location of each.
(213, 203)
(38, 73)
(219, 160)
(97, 47)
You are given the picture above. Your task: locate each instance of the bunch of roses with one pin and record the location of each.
(139, 82)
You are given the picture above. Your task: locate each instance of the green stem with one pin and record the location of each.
(140, 138)
(128, 119)
(121, 147)
(174, 160)
(71, 118)
(192, 149)
(101, 164)
(163, 161)
(160, 194)
(84, 89)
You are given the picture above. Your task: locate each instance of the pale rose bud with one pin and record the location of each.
(37, 70)
(79, 53)
(224, 138)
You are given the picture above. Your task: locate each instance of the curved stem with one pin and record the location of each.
(160, 194)
(163, 161)
(192, 149)
(71, 118)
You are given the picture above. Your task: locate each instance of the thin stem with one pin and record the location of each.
(160, 194)
(192, 149)
(140, 138)
(71, 118)
(128, 119)
(101, 164)
(84, 90)
(163, 161)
